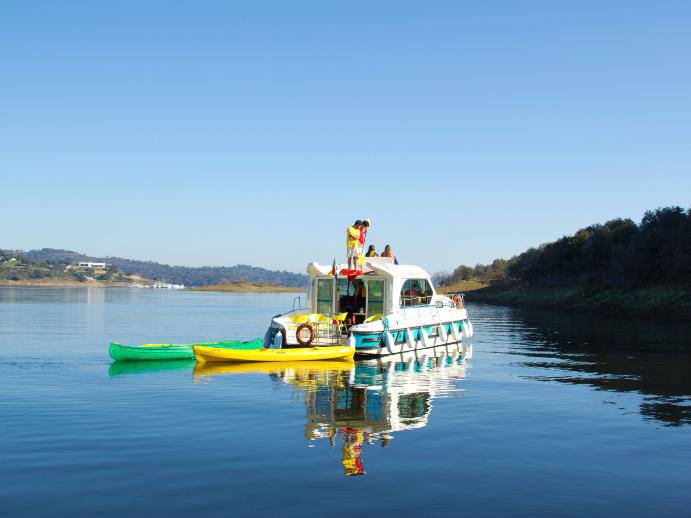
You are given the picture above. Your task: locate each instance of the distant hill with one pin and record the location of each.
(190, 276)
(18, 270)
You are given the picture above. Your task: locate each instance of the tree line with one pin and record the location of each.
(618, 253)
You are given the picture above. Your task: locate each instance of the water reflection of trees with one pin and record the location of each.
(622, 355)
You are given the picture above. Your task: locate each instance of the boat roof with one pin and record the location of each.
(379, 265)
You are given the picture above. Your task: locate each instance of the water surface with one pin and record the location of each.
(544, 412)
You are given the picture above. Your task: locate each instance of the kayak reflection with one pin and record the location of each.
(302, 373)
(120, 368)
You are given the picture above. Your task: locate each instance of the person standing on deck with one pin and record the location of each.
(363, 233)
(353, 244)
(364, 227)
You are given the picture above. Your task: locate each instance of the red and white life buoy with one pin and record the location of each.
(305, 334)
(458, 301)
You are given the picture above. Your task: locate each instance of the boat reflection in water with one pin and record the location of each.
(385, 396)
(364, 402)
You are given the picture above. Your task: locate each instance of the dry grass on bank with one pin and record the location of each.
(470, 285)
(247, 287)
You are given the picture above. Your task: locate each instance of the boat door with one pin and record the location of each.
(325, 296)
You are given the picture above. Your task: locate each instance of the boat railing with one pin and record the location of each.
(326, 332)
(409, 301)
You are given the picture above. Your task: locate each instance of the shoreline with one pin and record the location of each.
(247, 287)
(656, 302)
(222, 288)
(61, 284)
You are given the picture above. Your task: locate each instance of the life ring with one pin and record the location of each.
(458, 301)
(305, 334)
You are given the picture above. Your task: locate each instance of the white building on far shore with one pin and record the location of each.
(88, 264)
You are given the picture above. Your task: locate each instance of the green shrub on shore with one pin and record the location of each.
(654, 301)
(617, 267)
(617, 254)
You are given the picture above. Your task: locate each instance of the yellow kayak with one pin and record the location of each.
(215, 354)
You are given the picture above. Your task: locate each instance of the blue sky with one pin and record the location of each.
(254, 132)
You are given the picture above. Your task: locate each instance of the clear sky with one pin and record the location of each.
(254, 132)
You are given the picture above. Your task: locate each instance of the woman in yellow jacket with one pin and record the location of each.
(353, 244)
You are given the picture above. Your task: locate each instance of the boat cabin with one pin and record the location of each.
(383, 288)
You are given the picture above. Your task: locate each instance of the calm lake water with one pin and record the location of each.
(544, 413)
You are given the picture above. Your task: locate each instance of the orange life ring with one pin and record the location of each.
(458, 300)
(305, 334)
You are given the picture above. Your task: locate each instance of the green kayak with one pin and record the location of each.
(120, 352)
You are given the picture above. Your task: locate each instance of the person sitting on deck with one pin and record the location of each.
(389, 253)
(353, 244)
(371, 252)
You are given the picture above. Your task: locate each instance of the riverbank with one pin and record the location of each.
(247, 287)
(657, 302)
(60, 283)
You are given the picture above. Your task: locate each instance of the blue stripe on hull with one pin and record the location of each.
(374, 340)
(375, 352)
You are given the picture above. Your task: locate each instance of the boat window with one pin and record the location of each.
(413, 406)
(375, 298)
(324, 296)
(416, 292)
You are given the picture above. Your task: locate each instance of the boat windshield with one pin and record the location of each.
(416, 292)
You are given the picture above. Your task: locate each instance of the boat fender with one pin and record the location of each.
(466, 329)
(410, 339)
(305, 334)
(279, 339)
(425, 338)
(454, 331)
(470, 329)
(390, 345)
(351, 341)
(442, 332)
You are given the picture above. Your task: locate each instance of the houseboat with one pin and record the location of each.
(383, 309)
